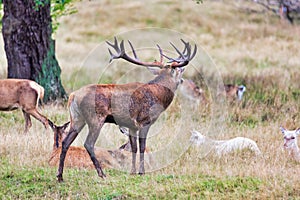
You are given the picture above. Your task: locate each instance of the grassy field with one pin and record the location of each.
(235, 46)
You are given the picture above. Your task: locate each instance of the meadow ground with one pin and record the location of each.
(235, 46)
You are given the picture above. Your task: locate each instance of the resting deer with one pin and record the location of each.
(191, 91)
(223, 147)
(290, 142)
(79, 157)
(234, 91)
(134, 105)
(23, 94)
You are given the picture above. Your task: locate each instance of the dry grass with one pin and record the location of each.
(256, 50)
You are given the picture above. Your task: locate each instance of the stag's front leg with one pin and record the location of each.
(142, 144)
(94, 131)
(132, 139)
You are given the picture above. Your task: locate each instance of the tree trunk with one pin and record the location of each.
(29, 47)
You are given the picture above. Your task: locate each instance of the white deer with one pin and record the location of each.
(223, 147)
(290, 142)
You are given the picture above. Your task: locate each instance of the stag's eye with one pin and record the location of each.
(293, 138)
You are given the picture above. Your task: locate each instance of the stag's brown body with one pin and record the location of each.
(23, 94)
(134, 105)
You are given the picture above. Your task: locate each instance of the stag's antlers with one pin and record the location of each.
(184, 57)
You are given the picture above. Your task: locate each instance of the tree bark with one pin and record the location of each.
(29, 47)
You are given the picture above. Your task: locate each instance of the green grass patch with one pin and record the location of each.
(40, 183)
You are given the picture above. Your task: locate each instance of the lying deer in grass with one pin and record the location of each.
(78, 156)
(290, 142)
(223, 147)
(134, 105)
(191, 91)
(23, 94)
(234, 91)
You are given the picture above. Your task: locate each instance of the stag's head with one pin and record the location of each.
(173, 68)
(290, 137)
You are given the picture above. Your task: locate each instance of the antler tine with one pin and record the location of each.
(133, 51)
(186, 44)
(194, 53)
(161, 53)
(116, 47)
(112, 56)
(181, 55)
(185, 56)
(121, 53)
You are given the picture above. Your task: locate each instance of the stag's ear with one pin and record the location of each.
(282, 130)
(298, 131)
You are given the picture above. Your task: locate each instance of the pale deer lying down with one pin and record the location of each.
(191, 91)
(134, 105)
(23, 94)
(78, 157)
(223, 147)
(234, 91)
(290, 142)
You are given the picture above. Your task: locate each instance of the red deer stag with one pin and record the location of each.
(23, 94)
(134, 105)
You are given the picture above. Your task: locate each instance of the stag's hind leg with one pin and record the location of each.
(94, 131)
(28, 123)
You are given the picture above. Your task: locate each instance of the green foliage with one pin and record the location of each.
(61, 8)
(39, 3)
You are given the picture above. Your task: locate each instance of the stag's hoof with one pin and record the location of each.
(133, 172)
(102, 176)
(141, 173)
(60, 179)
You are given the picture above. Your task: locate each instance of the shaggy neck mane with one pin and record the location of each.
(168, 83)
